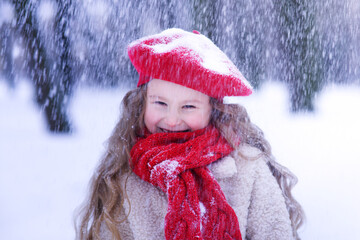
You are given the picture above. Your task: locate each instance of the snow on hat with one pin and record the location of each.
(189, 59)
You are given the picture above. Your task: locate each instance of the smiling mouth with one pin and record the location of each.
(170, 131)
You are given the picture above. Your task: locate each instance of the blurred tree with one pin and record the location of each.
(167, 14)
(205, 15)
(100, 33)
(300, 53)
(252, 30)
(338, 40)
(51, 74)
(6, 58)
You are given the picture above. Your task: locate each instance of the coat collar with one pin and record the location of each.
(223, 168)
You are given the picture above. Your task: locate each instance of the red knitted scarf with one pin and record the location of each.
(177, 164)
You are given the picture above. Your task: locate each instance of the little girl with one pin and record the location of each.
(182, 164)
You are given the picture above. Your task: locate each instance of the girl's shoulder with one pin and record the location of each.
(247, 156)
(252, 162)
(248, 152)
(244, 160)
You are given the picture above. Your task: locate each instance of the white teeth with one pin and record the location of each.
(170, 131)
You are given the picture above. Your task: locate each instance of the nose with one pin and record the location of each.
(172, 119)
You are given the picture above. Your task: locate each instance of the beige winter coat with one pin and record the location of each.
(248, 185)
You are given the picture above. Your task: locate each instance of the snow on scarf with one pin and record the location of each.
(177, 164)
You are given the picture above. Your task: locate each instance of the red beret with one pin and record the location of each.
(189, 59)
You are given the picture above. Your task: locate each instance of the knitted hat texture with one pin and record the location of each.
(189, 59)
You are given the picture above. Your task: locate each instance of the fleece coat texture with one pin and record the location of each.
(249, 188)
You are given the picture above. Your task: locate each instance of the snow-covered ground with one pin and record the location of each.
(44, 177)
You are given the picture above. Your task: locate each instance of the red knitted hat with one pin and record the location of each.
(189, 59)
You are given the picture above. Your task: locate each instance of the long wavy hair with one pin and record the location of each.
(106, 196)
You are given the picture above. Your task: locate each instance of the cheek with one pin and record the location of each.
(151, 118)
(148, 119)
(198, 121)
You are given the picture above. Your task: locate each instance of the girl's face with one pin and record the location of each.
(174, 108)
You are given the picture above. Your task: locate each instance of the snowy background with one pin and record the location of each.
(44, 177)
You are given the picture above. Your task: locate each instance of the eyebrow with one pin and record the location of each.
(184, 102)
(156, 96)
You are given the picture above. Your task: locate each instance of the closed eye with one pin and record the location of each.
(189, 106)
(160, 103)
